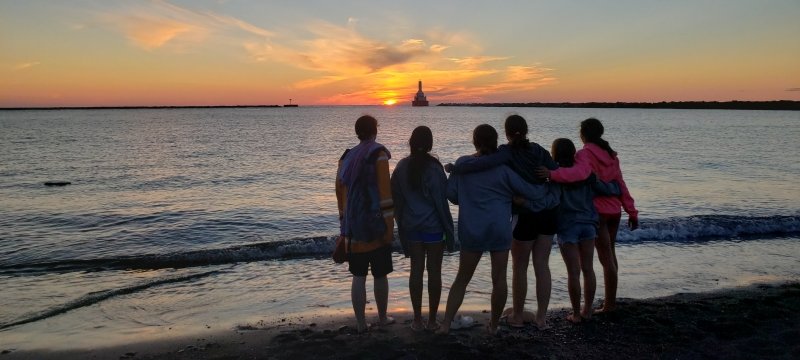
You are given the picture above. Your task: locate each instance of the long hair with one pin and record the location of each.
(592, 132)
(517, 132)
(421, 143)
(484, 137)
(563, 151)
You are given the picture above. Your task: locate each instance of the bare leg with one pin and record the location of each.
(467, 263)
(520, 255)
(541, 268)
(382, 298)
(358, 295)
(434, 266)
(415, 282)
(586, 248)
(572, 260)
(606, 256)
(499, 287)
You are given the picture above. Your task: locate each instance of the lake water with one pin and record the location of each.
(181, 218)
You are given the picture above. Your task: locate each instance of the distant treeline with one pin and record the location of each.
(726, 105)
(140, 107)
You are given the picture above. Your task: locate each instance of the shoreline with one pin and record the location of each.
(789, 105)
(761, 320)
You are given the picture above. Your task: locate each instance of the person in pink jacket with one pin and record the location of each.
(598, 157)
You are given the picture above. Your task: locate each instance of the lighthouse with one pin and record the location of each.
(419, 99)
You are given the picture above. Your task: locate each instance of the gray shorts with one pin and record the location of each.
(577, 233)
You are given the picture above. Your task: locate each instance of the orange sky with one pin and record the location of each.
(215, 52)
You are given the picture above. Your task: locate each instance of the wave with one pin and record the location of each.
(98, 296)
(709, 227)
(672, 230)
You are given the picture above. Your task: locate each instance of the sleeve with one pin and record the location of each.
(578, 172)
(397, 197)
(452, 188)
(438, 192)
(341, 194)
(385, 193)
(471, 164)
(539, 196)
(627, 199)
(603, 188)
(548, 161)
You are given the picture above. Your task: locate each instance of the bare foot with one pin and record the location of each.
(575, 319)
(586, 314)
(362, 328)
(432, 326)
(541, 325)
(388, 320)
(443, 330)
(605, 309)
(491, 329)
(417, 326)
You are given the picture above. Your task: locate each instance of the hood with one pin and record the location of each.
(600, 155)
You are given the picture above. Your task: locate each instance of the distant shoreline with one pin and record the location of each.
(691, 105)
(142, 107)
(697, 105)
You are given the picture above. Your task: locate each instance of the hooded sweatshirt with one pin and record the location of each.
(523, 161)
(424, 210)
(593, 158)
(577, 201)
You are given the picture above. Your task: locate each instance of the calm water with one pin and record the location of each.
(183, 217)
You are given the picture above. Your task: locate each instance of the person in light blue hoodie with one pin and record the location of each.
(484, 222)
(424, 223)
(577, 230)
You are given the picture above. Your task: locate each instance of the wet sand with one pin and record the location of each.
(760, 321)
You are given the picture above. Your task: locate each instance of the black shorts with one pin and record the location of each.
(531, 225)
(380, 260)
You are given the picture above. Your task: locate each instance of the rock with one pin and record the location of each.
(57, 183)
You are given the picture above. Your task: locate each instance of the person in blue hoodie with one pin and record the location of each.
(484, 222)
(424, 223)
(533, 231)
(577, 230)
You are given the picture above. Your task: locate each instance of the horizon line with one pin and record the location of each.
(488, 104)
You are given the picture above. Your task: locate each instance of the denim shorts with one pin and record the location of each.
(577, 233)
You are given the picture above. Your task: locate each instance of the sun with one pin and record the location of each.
(390, 102)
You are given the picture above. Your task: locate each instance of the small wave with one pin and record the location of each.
(684, 229)
(709, 227)
(294, 248)
(98, 296)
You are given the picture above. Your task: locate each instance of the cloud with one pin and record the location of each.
(25, 66)
(374, 70)
(793, 89)
(452, 65)
(157, 24)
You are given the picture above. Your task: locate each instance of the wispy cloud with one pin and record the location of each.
(26, 65)
(375, 70)
(156, 24)
(793, 89)
(453, 65)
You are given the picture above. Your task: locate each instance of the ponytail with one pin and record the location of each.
(592, 132)
(517, 132)
(421, 142)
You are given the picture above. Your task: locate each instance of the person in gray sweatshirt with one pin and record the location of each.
(484, 222)
(577, 229)
(424, 223)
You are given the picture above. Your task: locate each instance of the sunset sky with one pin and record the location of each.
(247, 52)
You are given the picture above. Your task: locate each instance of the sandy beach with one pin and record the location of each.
(760, 321)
